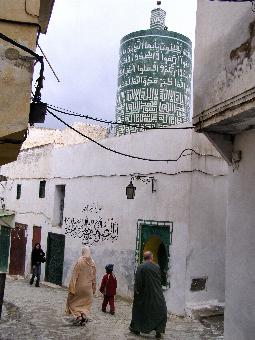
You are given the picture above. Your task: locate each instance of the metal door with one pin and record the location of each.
(36, 235)
(18, 249)
(55, 258)
(4, 248)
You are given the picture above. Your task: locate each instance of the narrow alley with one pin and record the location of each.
(38, 313)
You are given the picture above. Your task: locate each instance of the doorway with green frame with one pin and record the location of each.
(155, 236)
(55, 258)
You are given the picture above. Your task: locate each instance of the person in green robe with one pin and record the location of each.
(149, 306)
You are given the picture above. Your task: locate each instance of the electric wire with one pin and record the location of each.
(182, 154)
(137, 125)
(133, 175)
(47, 60)
(136, 175)
(37, 96)
(24, 48)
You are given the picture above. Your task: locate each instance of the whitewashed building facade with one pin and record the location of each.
(66, 195)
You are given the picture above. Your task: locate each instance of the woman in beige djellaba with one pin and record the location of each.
(82, 286)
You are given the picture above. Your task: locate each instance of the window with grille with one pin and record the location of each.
(198, 284)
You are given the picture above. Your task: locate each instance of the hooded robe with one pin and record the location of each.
(149, 306)
(82, 285)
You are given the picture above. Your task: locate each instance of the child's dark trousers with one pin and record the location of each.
(110, 300)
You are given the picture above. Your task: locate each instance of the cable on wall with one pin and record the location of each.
(137, 125)
(48, 62)
(37, 96)
(136, 174)
(182, 154)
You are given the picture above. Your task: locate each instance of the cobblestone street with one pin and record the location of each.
(38, 313)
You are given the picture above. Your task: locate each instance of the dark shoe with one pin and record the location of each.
(37, 284)
(133, 331)
(104, 310)
(77, 320)
(158, 336)
(84, 320)
(112, 313)
(31, 282)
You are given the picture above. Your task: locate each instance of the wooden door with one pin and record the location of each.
(36, 235)
(55, 258)
(18, 250)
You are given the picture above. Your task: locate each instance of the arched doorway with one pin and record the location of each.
(157, 246)
(152, 244)
(155, 236)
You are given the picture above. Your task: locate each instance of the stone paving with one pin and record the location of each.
(38, 313)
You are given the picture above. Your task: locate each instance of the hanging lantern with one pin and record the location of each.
(37, 113)
(130, 191)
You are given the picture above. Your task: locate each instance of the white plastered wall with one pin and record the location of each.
(97, 178)
(240, 245)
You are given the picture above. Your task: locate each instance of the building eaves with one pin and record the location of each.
(45, 14)
(4, 213)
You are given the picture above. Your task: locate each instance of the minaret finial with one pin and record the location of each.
(158, 18)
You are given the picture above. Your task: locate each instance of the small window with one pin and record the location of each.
(198, 284)
(42, 189)
(18, 191)
(59, 203)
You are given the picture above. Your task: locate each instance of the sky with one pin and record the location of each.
(82, 45)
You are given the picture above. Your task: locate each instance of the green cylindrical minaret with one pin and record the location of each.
(154, 78)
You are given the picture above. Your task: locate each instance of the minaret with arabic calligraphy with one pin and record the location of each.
(154, 78)
(158, 17)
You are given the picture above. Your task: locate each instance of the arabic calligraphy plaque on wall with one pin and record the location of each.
(92, 228)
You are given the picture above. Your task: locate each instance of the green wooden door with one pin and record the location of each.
(4, 248)
(55, 258)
